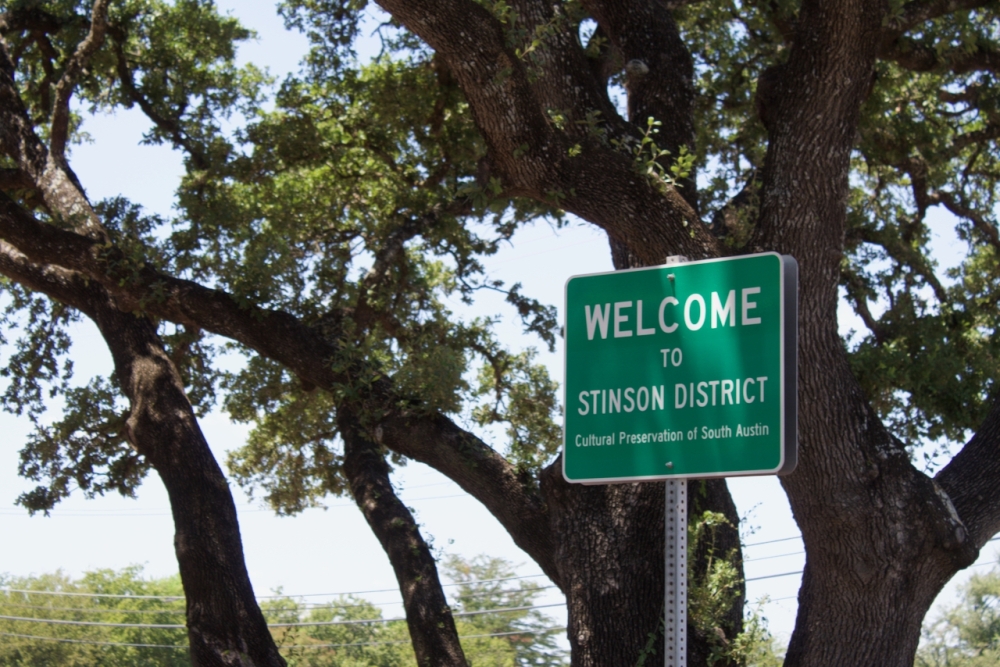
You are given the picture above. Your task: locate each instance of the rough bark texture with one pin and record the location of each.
(428, 615)
(881, 537)
(225, 624)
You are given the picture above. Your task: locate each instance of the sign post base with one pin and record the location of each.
(675, 601)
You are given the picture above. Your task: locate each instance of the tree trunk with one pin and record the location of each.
(611, 566)
(428, 616)
(225, 625)
(881, 538)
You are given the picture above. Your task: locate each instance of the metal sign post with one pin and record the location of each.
(675, 563)
(675, 600)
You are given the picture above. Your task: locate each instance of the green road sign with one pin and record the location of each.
(683, 370)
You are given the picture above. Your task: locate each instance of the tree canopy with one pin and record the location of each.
(325, 222)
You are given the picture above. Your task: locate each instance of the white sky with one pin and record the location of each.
(333, 551)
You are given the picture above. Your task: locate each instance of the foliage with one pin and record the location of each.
(524, 638)
(353, 634)
(968, 634)
(353, 196)
(92, 645)
(715, 586)
(350, 198)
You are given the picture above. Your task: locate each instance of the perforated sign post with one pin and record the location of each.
(682, 371)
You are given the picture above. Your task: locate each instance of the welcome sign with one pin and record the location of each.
(684, 370)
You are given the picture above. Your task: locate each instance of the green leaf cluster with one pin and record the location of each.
(967, 634)
(85, 645)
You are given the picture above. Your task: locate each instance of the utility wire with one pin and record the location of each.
(790, 553)
(260, 597)
(306, 606)
(110, 610)
(181, 647)
(780, 539)
(95, 513)
(300, 624)
(404, 641)
(176, 647)
(773, 576)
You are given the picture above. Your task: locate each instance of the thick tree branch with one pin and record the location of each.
(431, 439)
(920, 58)
(659, 72)
(532, 158)
(14, 179)
(920, 11)
(511, 497)
(59, 187)
(852, 472)
(494, 80)
(564, 81)
(59, 133)
(428, 616)
(970, 480)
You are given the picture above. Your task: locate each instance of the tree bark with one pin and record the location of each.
(428, 615)
(881, 539)
(225, 624)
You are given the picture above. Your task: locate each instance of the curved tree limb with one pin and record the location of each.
(532, 158)
(659, 72)
(970, 481)
(920, 11)
(428, 615)
(59, 187)
(919, 58)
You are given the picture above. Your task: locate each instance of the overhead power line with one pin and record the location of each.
(142, 512)
(262, 597)
(110, 610)
(182, 647)
(790, 553)
(176, 647)
(298, 624)
(773, 576)
(28, 591)
(780, 539)
(406, 641)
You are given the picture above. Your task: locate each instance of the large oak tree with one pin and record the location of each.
(322, 238)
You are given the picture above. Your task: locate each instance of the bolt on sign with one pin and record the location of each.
(684, 370)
